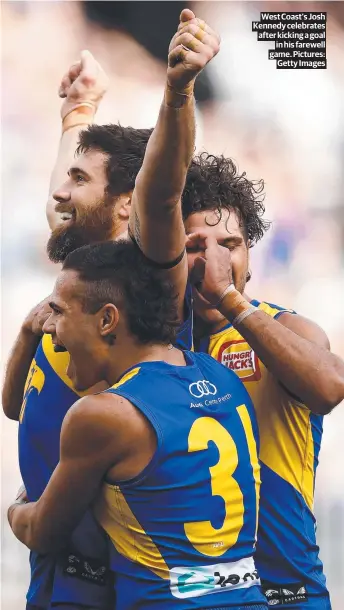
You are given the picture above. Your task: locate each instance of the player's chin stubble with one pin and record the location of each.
(91, 229)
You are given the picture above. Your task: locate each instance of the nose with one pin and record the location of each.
(61, 194)
(49, 325)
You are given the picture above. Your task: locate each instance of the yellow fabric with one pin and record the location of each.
(127, 535)
(286, 442)
(59, 362)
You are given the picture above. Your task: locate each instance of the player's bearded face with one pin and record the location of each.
(88, 225)
(229, 234)
(86, 210)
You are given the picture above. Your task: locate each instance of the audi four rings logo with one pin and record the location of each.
(202, 388)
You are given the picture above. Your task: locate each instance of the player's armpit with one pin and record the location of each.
(87, 451)
(156, 216)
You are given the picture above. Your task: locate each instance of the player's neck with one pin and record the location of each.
(132, 354)
(120, 231)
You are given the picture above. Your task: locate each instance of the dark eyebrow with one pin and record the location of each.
(77, 170)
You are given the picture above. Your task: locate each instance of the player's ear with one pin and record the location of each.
(123, 206)
(108, 321)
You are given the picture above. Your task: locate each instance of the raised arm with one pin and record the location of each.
(156, 218)
(83, 87)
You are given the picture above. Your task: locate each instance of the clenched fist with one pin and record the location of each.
(192, 47)
(85, 81)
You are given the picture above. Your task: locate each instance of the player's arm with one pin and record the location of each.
(88, 448)
(83, 87)
(294, 349)
(20, 359)
(297, 352)
(156, 217)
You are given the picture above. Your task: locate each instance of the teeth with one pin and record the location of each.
(66, 216)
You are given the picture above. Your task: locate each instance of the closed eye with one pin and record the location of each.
(55, 308)
(232, 243)
(192, 249)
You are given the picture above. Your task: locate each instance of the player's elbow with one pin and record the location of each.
(40, 547)
(43, 544)
(336, 395)
(10, 408)
(331, 394)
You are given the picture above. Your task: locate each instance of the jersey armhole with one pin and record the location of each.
(153, 463)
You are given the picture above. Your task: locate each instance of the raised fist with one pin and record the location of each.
(85, 81)
(190, 50)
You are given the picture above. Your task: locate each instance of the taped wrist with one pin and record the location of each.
(81, 114)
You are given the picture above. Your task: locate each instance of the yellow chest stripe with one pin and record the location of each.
(126, 533)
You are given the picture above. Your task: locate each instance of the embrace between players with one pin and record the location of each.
(156, 477)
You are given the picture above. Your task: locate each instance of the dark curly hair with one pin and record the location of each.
(125, 147)
(118, 273)
(214, 183)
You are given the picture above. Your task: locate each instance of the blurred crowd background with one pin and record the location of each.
(285, 126)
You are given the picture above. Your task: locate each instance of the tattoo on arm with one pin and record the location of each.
(137, 230)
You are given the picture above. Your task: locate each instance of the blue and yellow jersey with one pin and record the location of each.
(72, 576)
(183, 531)
(80, 574)
(290, 437)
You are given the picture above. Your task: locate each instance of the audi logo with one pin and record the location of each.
(202, 388)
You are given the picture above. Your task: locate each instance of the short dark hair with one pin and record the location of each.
(125, 147)
(118, 273)
(213, 183)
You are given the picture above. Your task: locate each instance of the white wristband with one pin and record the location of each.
(227, 290)
(244, 314)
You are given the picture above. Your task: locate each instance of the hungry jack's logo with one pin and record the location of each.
(240, 358)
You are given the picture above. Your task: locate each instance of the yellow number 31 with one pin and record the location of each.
(202, 535)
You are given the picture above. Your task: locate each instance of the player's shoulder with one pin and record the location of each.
(94, 428)
(272, 309)
(301, 325)
(97, 416)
